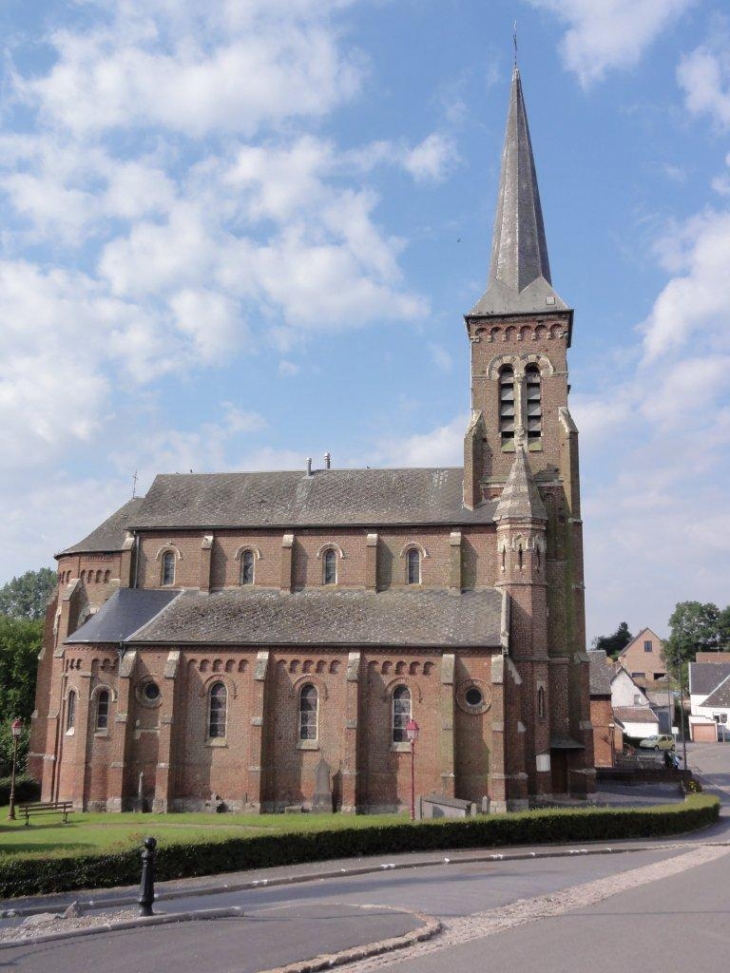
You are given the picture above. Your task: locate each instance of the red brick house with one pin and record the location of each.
(227, 632)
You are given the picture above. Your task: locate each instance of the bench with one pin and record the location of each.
(41, 807)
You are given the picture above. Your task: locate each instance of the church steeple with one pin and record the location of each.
(519, 274)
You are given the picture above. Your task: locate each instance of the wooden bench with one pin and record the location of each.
(41, 807)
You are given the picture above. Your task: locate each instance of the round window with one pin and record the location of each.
(473, 696)
(151, 691)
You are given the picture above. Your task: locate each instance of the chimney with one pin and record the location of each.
(327, 461)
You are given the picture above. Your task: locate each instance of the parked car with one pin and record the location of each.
(658, 741)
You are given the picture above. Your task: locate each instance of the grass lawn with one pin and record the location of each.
(47, 836)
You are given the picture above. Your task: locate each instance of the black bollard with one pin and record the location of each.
(147, 885)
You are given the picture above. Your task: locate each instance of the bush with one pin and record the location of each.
(31, 876)
(26, 790)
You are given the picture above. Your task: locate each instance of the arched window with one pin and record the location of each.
(102, 709)
(507, 406)
(401, 713)
(168, 568)
(329, 566)
(541, 703)
(71, 711)
(308, 711)
(247, 567)
(533, 405)
(413, 566)
(217, 705)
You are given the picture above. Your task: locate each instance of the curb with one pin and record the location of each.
(159, 920)
(430, 927)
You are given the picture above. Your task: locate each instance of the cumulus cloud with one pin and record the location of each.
(704, 77)
(603, 35)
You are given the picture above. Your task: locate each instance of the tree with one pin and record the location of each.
(613, 644)
(694, 628)
(20, 643)
(27, 596)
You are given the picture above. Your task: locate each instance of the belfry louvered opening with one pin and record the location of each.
(533, 405)
(507, 407)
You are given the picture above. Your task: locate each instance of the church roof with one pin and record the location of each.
(110, 535)
(348, 498)
(519, 274)
(520, 499)
(124, 613)
(312, 617)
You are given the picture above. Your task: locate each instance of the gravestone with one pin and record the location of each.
(322, 799)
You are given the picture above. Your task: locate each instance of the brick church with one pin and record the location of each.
(227, 632)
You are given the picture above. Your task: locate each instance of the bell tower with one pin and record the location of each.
(522, 443)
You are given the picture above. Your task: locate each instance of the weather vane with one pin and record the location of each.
(514, 40)
(134, 484)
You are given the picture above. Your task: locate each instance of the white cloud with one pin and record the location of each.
(139, 71)
(288, 368)
(433, 159)
(443, 446)
(695, 301)
(603, 35)
(704, 76)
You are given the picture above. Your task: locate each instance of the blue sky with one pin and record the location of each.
(235, 238)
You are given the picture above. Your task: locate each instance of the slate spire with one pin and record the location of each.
(519, 273)
(520, 498)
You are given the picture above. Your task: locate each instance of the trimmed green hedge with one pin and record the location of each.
(31, 876)
(27, 790)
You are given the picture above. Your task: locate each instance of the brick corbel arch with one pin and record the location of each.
(215, 677)
(331, 546)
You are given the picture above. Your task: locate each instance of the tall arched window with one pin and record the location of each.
(308, 712)
(217, 705)
(401, 713)
(71, 711)
(247, 567)
(541, 703)
(329, 566)
(507, 406)
(533, 405)
(413, 566)
(168, 568)
(102, 709)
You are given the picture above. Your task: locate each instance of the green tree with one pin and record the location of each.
(613, 644)
(694, 628)
(27, 596)
(20, 643)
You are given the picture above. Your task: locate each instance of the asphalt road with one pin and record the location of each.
(658, 908)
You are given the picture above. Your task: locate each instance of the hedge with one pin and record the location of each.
(27, 790)
(31, 876)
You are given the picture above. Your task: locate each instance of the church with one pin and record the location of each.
(227, 632)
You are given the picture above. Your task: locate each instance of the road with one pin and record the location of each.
(651, 908)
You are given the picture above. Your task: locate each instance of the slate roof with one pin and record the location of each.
(124, 613)
(110, 535)
(601, 673)
(520, 499)
(704, 677)
(311, 617)
(519, 274)
(634, 714)
(291, 499)
(720, 696)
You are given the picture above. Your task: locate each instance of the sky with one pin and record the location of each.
(240, 233)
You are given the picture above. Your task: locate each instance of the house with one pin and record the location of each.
(643, 657)
(248, 634)
(605, 741)
(709, 696)
(631, 709)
